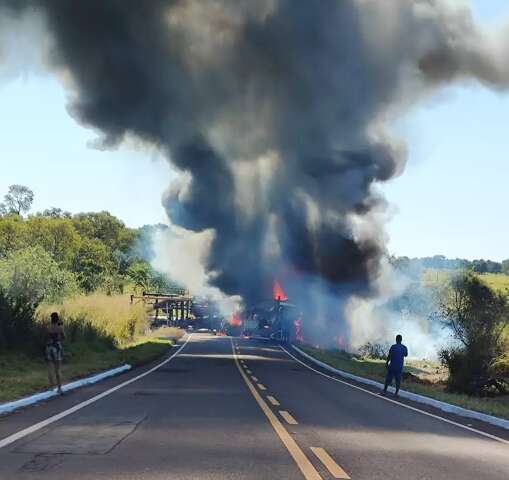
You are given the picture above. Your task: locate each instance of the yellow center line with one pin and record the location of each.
(272, 400)
(335, 470)
(305, 466)
(261, 386)
(289, 419)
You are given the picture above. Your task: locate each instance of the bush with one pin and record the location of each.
(112, 316)
(500, 365)
(478, 318)
(378, 351)
(31, 273)
(17, 326)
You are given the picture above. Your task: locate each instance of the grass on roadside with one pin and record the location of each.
(109, 316)
(22, 374)
(421, 381)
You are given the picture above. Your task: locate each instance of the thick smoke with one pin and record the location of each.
(275, 112)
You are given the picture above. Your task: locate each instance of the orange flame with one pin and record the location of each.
(277, 291)
(235, 320)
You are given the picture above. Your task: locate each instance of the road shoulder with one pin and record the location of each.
(373, 388)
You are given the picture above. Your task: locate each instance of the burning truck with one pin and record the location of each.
(275, 318)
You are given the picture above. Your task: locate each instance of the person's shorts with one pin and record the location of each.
(393, 374)
(54, 352)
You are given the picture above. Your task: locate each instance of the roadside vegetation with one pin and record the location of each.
(478, 317)
(22, 373)
(83, 266)
(110, 317)
(473, 370)
(422, 377)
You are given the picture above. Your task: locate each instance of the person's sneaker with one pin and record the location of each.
(60, 391)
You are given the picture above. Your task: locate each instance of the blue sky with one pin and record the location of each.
(44, 148)
(451, 199)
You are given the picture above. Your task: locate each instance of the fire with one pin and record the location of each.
(277, 291)
(235, 320)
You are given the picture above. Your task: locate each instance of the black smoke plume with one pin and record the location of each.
(275, 111)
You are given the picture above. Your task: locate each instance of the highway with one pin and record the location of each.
(235, 408)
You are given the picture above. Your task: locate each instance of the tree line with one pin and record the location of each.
(49, 255)
(441, 262)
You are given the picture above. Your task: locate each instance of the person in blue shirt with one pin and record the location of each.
(394, 364)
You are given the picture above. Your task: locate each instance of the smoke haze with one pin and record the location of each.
(276, 113)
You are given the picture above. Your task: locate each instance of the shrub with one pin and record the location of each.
(17, 327)
(500, 365)
(478, 317)
(31, 273)
(375, 350)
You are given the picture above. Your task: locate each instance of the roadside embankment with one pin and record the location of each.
(22, 373)
(101, 332)
(418, 379)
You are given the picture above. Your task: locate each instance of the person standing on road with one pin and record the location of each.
(54, 352)
(394, 364)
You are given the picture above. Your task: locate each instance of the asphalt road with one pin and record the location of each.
(226, 408)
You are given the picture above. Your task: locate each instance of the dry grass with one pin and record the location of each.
(112, 316)
(497, 281)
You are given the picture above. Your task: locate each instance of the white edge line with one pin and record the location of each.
(444, 406)
(27, 431)
(10, 407)
(340, 372)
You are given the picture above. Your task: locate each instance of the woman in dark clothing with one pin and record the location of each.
(54, 351)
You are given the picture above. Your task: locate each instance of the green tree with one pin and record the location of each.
(31, 273)
(97, 247)
(104, 227)
(146, 278)
(141, 275)
(505, 266)
(477, 317)
(54, 212)
(19, 199)
(91, 263)
(13, 235)
(56, 235)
